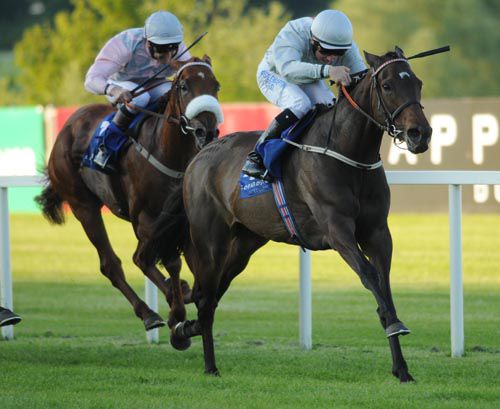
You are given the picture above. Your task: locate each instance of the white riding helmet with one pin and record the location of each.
(163, 27)
(332, 29)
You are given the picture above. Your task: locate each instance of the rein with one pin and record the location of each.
(389, 126)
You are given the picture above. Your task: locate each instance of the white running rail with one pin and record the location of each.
(454, 180)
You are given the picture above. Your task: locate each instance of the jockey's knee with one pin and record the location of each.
(301, 107)
(142, 100)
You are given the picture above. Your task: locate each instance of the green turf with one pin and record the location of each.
(80, 346)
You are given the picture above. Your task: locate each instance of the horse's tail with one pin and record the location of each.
(51, 204)
(170, 231)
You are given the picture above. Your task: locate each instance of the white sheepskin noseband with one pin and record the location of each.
(205, 103)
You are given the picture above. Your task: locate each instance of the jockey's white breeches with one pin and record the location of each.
(299, 98)
(142, 100)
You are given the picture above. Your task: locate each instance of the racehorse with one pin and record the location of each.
(339, 203)
(148, 172)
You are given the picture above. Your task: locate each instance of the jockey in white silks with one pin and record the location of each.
(133, 56)
(291, 75)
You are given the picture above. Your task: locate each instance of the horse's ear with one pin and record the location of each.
(399, 52)
(371, 59)
(175, 64)
(207, 59)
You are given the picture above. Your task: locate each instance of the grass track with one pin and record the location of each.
(80, 346)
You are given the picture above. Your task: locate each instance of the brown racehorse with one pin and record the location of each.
(339, 202)
(138, 190)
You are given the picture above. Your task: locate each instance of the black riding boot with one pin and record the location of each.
(254, 165)
(123, 117)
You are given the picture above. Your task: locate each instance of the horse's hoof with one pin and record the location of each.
(396, 329)
(179, 343)
(154, 321)
(213, 372)
(406, 378)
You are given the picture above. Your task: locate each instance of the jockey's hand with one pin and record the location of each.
(120, 95)
(340, 75)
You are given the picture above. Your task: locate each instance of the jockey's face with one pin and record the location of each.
(164, 53)
(326, 56)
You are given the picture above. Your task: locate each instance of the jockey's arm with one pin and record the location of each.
(289, 66)
(113, 57)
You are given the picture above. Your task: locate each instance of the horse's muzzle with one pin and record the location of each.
(204, 136)
(418, 138)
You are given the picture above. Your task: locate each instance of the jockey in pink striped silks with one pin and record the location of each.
(131, 57)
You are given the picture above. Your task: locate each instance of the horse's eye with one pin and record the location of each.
(183, 86)
(217, 88)
(386, 87)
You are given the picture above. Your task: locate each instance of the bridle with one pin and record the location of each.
(181, 119)
(389, 126)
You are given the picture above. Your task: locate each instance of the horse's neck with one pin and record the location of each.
(353, 135)
(173, 147)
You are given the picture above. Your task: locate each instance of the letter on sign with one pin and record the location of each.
(395, 153)
(484, 133)
(444, 133)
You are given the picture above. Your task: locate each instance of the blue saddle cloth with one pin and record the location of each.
(106, 145)
(272, 149)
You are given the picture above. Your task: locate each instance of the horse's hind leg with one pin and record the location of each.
(229, 255)
(91, 219)
(378, 247)
(176, 291)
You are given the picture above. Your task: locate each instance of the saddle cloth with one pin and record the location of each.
(272, 150)
(106, 145)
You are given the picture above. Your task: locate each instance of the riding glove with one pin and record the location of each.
(119, 95)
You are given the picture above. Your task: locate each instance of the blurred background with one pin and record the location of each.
(46, 48)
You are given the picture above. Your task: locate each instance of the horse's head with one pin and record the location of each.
(397, 99)
(194, 92)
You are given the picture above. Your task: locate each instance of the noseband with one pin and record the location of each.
(389, 126)
(183, 121)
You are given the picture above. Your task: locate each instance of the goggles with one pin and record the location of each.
(166, 48)
(326, 51)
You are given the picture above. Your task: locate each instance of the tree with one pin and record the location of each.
(52, 61)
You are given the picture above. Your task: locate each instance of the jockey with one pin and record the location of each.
(131, 57)
(291, 75)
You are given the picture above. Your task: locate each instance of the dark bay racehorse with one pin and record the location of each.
(337, 205)
(137, 192)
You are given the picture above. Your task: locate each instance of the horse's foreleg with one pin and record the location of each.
(378, 247)
(343, 240)
(91, 220)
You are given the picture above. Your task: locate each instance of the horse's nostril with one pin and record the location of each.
(199, 133)
(413, 132)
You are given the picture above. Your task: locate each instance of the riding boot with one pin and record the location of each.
(122, 120)
(123, 117)
(254, 165)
